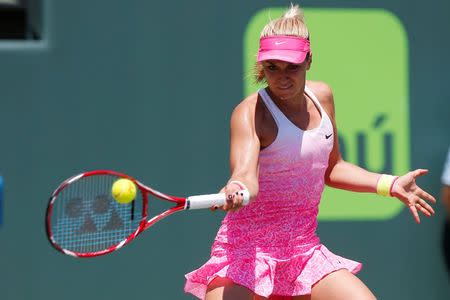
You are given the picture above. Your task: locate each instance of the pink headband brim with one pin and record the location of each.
(286, 48)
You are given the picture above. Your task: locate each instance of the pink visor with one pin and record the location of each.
(286, 48)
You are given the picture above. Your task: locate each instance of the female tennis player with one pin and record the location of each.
(284, 148)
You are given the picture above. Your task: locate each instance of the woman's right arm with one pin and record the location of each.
(244, 153)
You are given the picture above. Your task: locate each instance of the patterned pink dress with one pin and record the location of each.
(271, 246)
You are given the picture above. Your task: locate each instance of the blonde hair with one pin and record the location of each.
(291, 23)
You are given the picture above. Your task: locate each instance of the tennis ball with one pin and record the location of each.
(124, 190)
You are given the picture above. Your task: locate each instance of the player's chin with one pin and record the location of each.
(285, 92)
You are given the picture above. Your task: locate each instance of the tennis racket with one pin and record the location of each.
(84, 220)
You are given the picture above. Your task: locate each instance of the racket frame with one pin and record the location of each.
(180, 204)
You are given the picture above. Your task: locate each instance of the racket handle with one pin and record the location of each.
(207, 201)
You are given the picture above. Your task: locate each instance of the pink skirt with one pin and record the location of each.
(266, 275)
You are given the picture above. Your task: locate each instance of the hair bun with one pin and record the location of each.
(294, 12)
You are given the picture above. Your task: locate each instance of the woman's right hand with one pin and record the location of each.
(234, 197)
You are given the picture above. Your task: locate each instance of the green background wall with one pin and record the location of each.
(147, 88)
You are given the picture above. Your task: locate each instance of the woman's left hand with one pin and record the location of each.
(406, 189)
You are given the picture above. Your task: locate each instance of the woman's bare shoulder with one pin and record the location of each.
(247, 105)
(323, 93)
(244, 115)
(320, 89)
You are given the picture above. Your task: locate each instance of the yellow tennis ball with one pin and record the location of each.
(124, 190)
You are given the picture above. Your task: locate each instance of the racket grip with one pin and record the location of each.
(207, 201)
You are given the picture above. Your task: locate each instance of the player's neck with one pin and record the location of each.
(297, 101)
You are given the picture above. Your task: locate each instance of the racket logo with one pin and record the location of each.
(94, 217)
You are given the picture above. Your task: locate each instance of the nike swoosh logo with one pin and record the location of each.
(280, 43)
(328, 136)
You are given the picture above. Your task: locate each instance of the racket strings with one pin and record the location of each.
(87, 219)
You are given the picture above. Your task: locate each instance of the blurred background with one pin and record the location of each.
(147, 88)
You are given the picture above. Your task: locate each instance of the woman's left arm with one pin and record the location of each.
(344, 175)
